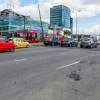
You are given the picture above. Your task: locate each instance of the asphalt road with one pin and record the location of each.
(50, 73)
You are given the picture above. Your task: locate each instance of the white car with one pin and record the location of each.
(98, 41)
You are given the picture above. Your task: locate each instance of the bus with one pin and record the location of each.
(60, 37)
(29, 36)
(53, 36)
(46, 36)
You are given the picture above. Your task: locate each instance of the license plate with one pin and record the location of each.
(63, 42)
(84, 44)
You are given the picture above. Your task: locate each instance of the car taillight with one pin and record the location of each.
(89, 42)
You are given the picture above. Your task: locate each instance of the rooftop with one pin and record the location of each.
(62, 6)
(8, 11)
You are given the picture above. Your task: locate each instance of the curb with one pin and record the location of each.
(37, 45)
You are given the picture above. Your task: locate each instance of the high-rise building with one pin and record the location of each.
(60, 15)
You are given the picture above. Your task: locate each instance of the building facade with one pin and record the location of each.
(60, 15)
(11, 21)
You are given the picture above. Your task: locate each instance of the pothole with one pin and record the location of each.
(79, 69)
(74, 75)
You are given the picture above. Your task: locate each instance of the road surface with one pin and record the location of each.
(50, 73)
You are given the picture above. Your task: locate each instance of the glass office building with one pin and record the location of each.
(60, 15)
(11, 21)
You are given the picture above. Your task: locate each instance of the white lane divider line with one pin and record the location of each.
(68, 65)
(20, 60)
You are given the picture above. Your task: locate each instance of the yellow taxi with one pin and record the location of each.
(19, 42)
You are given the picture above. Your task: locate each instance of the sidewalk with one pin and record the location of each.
(37, 44)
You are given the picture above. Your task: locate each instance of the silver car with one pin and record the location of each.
(89, 42)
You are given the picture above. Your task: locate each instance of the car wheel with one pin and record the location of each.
(33, 41)
(11, 49)
(76, 45)
(45, 44)
(96, 46)
(53, 44)
(27, 46)
(69, 45)
(81, 46)
(61, 45)
(16, 46)
(91, 46)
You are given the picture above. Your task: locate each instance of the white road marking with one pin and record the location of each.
(20, 60)
(67, 65)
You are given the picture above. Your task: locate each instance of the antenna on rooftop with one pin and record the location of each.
(10, 5)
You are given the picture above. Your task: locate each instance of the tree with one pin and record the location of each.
(66, 32)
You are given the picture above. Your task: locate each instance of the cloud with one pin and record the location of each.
(88, 8)
(95, 30)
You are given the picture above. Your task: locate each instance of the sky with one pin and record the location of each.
(88, 17)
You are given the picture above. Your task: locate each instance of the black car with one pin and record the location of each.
(89, 42)
(69, 42)
(51, 42)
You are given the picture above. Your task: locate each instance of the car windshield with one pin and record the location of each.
(49, 39)
(86, 39)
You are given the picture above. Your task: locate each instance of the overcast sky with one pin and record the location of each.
(88, 17)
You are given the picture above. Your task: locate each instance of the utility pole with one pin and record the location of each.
(41, 23)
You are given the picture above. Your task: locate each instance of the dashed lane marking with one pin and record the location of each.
(20, 60)
(68, 65)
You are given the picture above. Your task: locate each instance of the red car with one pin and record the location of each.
(6, 45)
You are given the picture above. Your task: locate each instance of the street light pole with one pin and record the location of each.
(41, 23)
(99, 30)
(76, 25)
(76, 22)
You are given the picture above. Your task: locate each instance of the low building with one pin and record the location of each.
(55, 29)
(11, 21)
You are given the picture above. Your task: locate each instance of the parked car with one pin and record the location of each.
(6, 45)
(51, 42)
(81, 39)
(98, 42)
(19, 42)
(69, 42)
(89, 42)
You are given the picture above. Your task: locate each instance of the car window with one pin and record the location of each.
(18, 40)
(3, 40)
(47, 40)
(22, 40)
(65, 39)
(86, 39)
